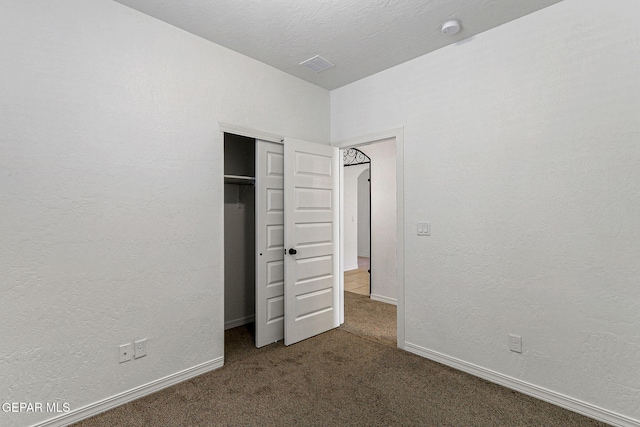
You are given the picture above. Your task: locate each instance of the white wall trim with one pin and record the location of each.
(350, 267)
(384, 299)
(250, 133)
(538, 392)
(369, 139)
(131, 395)
(398, 134)
(239, 322)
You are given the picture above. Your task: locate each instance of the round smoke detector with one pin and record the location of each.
(451, 27)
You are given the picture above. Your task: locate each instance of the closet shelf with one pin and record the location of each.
(238, 179)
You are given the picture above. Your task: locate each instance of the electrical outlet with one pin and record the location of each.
(126, 352)
(140, 348)
(515, 343)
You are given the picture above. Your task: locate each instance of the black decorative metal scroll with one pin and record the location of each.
(353, 156)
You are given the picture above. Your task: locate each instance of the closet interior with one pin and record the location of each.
(239, 234)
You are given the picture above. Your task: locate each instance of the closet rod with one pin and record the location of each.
(240, 180)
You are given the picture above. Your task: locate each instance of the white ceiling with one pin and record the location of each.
(361, 37)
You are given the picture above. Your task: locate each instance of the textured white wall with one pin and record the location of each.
(521, 148)
(383, 219)
(351, 223)
(111, 193)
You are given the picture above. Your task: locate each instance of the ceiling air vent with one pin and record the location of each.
(317, 64)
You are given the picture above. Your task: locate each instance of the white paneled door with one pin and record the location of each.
(269, 319)
(297, 241)
(311, 239)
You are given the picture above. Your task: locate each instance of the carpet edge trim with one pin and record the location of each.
(131, 395)
(533, 390)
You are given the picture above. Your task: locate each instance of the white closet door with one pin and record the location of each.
(311, 213)
(269, 319)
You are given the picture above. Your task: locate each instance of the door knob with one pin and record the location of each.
(292, 251)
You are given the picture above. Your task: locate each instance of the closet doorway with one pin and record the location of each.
(286, 256)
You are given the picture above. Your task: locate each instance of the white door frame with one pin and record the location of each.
(398, 134)
(249, 133)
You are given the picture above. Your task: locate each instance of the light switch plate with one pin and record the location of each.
(424, 229)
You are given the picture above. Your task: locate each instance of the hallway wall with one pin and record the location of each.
(383, 220)
(351, 220)
(364, 214)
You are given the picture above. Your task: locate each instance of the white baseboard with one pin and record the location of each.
(351, 267)
(541, 393)
(131, 395)
(382, 298)
(239, 322)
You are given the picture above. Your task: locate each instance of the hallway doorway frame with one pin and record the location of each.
(398, 135)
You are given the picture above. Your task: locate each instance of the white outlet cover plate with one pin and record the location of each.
(140, 348)
(126, 352)
(515, 343)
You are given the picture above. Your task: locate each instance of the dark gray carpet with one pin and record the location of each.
(351, 376)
